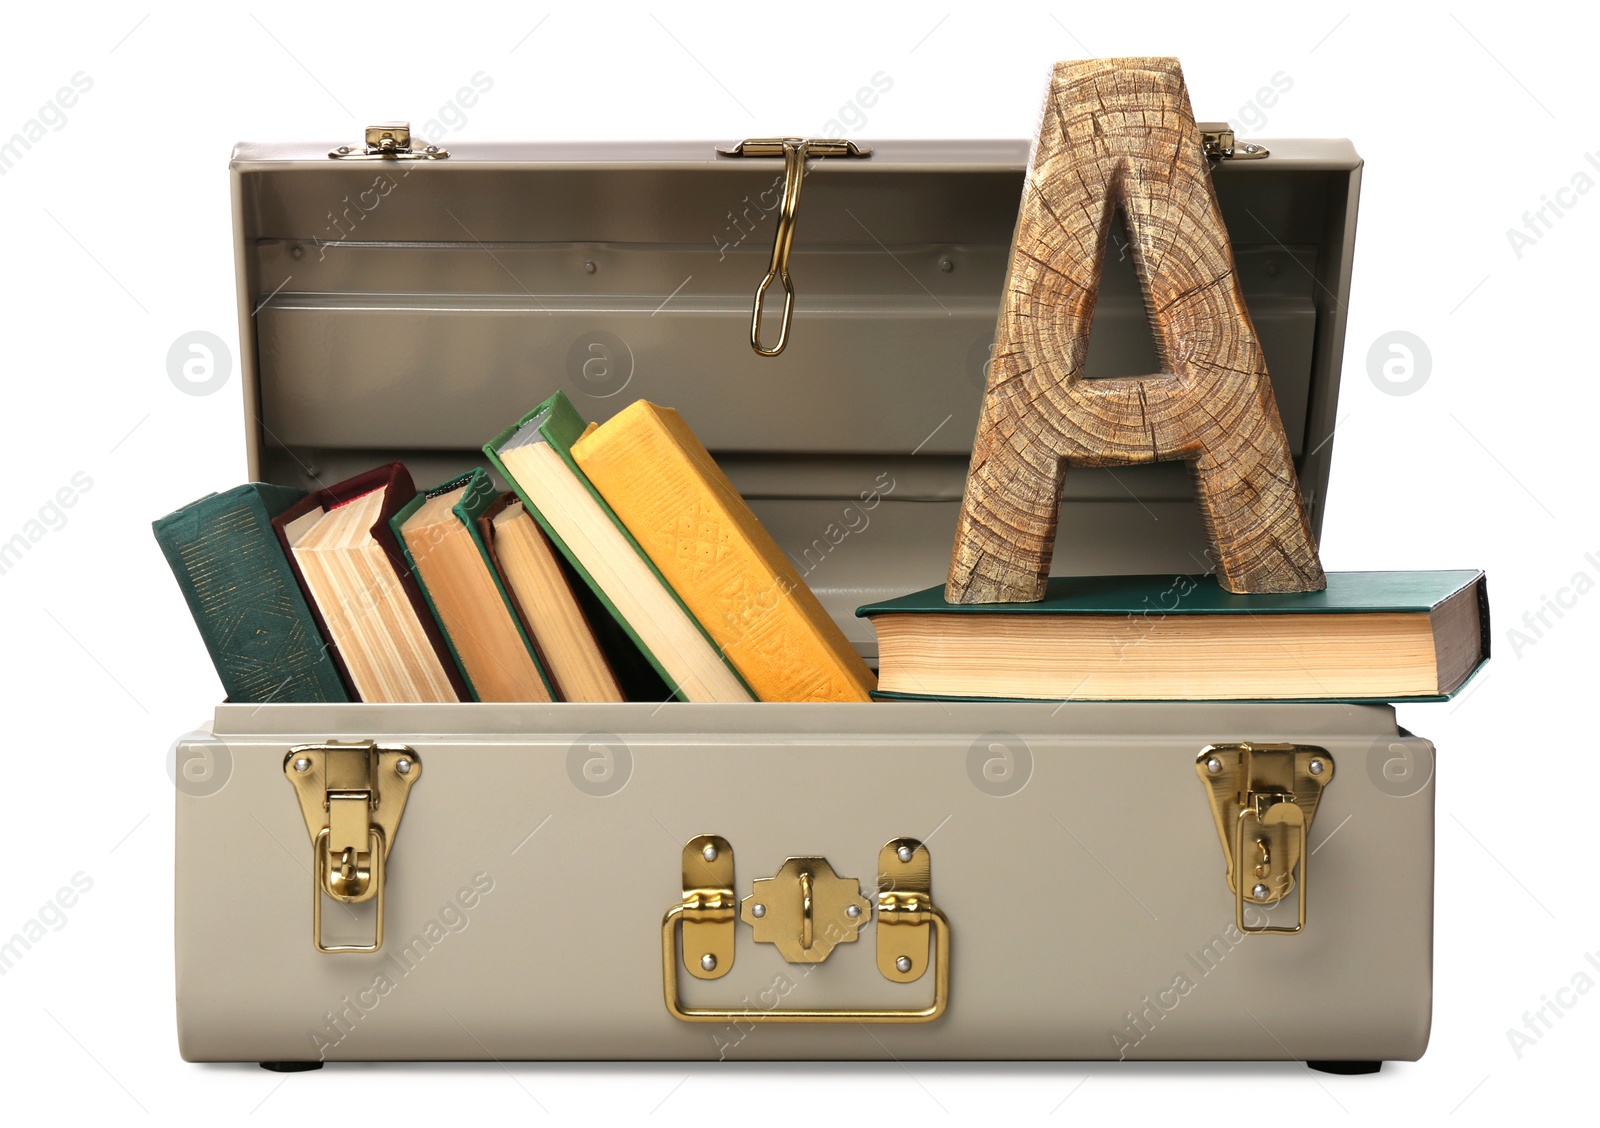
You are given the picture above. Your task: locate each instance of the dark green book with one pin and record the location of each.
(535, 456)
(244, 598)
(1370, 636)
(438, 531)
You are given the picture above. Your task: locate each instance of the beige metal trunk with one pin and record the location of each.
(1079, 903)
(412, 308)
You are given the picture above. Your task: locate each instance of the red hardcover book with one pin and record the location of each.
(368, 604)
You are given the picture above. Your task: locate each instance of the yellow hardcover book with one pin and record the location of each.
(686, 515)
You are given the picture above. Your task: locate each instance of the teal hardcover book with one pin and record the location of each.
(1370, 636)
(470, 628)
(242, 593)
(535, 456)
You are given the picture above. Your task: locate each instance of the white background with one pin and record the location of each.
(117, 241)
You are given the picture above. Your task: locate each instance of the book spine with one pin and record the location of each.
(708, 544)
(246, 601)
(451, 658)
(564, 428)
(398, 493)
(479, 500)
(492, 452)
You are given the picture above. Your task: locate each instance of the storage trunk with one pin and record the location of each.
(1036, 880)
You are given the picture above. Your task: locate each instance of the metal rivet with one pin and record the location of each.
(1316, 767)
(708, 962)
(1213, 765)
(302, 764)
(431, 149)
(403, 766)
(946, 265)
(344, 148)
(853, 911)
(903, 964)
(709, 853)
(904, 853)
(589, 266)
(758, 910)
(297, 252)
(1260, 892)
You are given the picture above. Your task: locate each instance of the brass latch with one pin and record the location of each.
(1217, 140)
(805, 910)
(352, 796)
(1263, 798)
(388, 141)
(794, 151)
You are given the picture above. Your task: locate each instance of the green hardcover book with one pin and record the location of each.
(1370, 636)
(438, 531)
(242, 593)
(535, 456)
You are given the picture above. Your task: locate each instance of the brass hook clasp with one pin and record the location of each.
(795, 151)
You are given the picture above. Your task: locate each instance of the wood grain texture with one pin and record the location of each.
(1120, 133)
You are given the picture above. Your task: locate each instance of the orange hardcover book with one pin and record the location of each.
(688, 518)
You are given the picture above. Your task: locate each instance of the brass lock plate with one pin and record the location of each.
(352, 796)
(806, 910)
(1263, 798)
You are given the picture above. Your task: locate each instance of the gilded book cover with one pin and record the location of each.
(727, 569)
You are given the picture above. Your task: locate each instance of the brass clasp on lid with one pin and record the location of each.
(794, 151)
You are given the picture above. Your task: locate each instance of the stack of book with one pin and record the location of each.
(623, 565)
(1370, 636)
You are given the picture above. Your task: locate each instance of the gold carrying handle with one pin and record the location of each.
(941, 985)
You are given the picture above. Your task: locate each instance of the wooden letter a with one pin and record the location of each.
(1120, 132)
